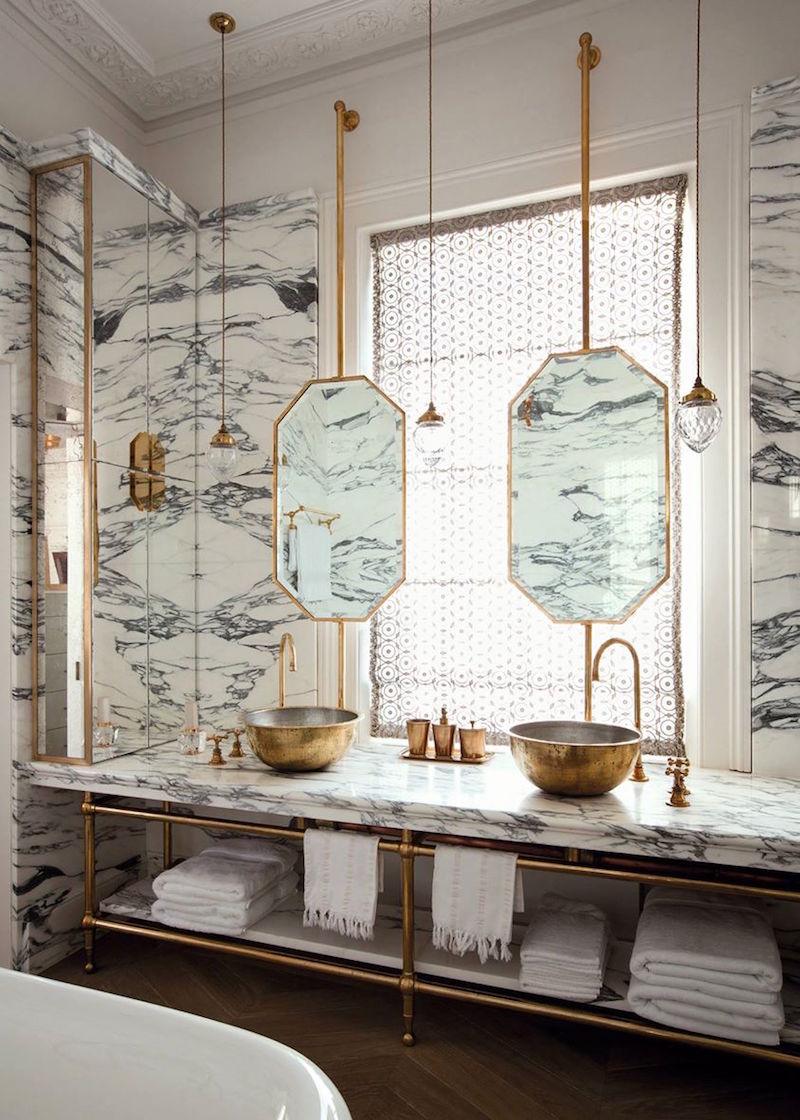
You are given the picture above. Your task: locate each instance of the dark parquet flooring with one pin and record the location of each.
(470, 1063)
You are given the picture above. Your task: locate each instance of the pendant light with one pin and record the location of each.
(430, 434)
(699, 415)
(223, 454)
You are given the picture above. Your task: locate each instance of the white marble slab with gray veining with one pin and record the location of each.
(734, 819)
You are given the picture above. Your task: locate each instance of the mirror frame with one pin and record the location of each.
(512, 418)
(84, 759)
(276, 536)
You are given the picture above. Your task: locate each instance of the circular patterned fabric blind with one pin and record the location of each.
(507, 292)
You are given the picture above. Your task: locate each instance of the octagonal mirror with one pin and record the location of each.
(339, 499)
(589, 486)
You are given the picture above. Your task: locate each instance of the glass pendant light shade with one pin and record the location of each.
(430, 436)
(699, 417)
(222, 455)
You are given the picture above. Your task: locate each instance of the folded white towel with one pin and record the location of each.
(729, 945)
(566, 933)
(473, 900)
(342, 881)
(718, 1023)
(216, 879)
(216, 918)
(705, 900)
(313, 548)
(711, 1007)
(255, 850)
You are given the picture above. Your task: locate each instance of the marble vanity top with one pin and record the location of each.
(734, 818)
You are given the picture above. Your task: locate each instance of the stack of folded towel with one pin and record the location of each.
(565, 950)
(227, 888)
(708, 963)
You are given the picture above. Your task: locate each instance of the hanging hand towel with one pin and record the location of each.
(342, 881)
(216, 879)
(313, 563)
(474, 892)
(233, 919)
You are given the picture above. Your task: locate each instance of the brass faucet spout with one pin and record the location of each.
(639, 774)
(287, 642)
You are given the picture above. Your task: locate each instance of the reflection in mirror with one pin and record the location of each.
(339, 498)
(588, 486)
(59, 373)
(119, 315)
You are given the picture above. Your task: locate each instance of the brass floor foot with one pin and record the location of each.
(409, 1038)
(89, 967)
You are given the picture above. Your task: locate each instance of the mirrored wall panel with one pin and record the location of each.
(588, 486)
(339, 498)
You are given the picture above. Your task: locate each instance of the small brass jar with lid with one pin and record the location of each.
(473, 741)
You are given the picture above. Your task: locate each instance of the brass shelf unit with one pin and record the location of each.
(410, 846)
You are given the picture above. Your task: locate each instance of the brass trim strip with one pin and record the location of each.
(598, 1019)
(255, 952)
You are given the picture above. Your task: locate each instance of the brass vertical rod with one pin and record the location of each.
(89, 467)
(89, 881)
(340, 626)
(407, 980)
(587, 60)
(223, 229)
(346, 121)
(587, 671)
(167, 837)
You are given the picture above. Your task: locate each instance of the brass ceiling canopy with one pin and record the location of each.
(222, 22)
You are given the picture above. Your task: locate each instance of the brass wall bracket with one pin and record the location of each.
(147, 462)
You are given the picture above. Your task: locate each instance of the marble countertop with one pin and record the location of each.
(734, 818)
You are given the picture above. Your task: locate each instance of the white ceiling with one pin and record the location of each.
(160, 57)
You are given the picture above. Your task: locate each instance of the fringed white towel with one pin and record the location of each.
(342, 881)
(216, 879)
(233, 919)
(709, 942)
(473, 900)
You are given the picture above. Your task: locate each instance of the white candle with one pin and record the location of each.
(192, 716)
(103, 710)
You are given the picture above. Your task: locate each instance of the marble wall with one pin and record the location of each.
(271, 350)
(775, 426)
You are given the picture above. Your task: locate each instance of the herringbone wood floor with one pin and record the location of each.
(470, 1063)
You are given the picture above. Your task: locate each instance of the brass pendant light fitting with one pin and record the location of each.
(699, 415)
(223, 454)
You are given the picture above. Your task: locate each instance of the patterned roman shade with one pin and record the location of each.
(507, 292)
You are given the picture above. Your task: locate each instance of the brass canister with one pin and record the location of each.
(444, 736)
(473, 741)
(417, 731)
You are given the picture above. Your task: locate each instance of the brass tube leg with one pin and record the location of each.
(89, 881)
(407, 978)
(166, 842)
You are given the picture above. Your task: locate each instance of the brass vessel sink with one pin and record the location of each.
(573, 757)
(301, 738)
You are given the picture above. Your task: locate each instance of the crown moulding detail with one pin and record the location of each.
(335, 32)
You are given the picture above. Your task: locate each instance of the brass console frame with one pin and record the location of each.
(410, 846)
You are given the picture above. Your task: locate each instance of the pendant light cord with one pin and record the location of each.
(430, 195)
(698, 380)
(223, 229)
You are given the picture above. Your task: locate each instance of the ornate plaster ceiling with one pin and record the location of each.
(159, 57)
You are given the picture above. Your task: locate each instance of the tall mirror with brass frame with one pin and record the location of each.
(588, 475)
(339, 481)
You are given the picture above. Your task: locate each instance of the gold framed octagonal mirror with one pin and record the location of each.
(339, 499)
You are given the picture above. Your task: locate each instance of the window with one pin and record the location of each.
(507, 293)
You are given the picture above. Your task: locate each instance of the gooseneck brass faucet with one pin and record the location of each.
(639, 774)
(287, 642)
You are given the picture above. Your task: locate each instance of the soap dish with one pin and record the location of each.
(407, 757)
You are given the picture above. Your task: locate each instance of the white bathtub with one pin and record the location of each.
(75, 1054)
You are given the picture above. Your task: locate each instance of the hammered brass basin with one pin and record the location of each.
(574, 758)
(301, 738)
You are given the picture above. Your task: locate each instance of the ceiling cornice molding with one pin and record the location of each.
(289, 50)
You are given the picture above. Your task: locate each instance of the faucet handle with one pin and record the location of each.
(236, 750)
(678, 768)
(216, 754)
